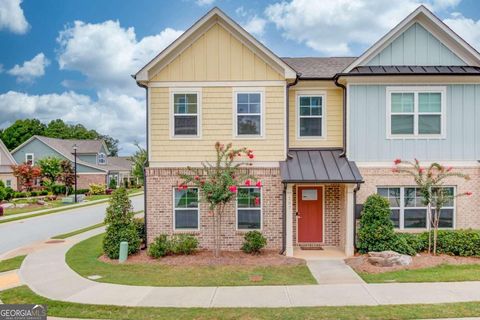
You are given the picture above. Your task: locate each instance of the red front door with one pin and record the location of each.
(310, 214)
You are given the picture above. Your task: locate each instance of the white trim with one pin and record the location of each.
(261, 209)
(198, 164)
(214, 16)
(389, 164)
(285, 117)
(289, 221)
(33, 158)
(197, 84)
(347, 123)
(174, 209)
(349, 224)
(235, 92)
(172, 92)
(323, 209)
(402, 208)
(9, 155)
(98, 158)
(149, 123)
(432, 24)
(311, 93)
(416, 90)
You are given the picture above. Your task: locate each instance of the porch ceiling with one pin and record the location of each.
(319, 166)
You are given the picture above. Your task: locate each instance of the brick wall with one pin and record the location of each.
(84, 180)
(334, 210)
(467, 215)
(160, 187)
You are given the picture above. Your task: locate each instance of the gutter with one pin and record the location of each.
(344, 127)
(357, 187)
(338, 75)
(145, 164)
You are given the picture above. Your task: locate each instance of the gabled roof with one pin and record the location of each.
(318, 68)
(5, 151)
(65, 148)
(433, 24)
(213, 16)
(119, 163)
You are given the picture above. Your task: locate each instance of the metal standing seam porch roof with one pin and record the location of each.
(319, 165)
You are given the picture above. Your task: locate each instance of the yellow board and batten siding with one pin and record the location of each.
(334, 115)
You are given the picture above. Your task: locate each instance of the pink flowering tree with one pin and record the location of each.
(218, 182)
(430, 181)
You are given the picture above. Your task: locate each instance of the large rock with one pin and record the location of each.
(389, 259)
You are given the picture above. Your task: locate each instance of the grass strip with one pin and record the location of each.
(11, 264)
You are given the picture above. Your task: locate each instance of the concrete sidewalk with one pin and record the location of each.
(46, 273)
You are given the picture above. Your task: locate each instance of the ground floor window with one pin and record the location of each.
(249, 209)
(409, 212)
(186, 210)
(8, 183)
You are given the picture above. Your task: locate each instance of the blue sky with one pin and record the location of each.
(72, 59)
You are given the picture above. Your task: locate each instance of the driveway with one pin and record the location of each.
(14, 235)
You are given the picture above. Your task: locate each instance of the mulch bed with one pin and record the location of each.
(423, 260)
(206, 258)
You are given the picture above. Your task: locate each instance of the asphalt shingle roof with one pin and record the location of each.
(319, 67)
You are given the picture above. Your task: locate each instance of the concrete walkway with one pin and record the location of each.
(46, 272)
(333, 272)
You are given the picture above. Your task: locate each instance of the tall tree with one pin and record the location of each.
(67, 175)
(112, 145)
(51, 168)
(139, 159)
(20, 131)
(26, 175)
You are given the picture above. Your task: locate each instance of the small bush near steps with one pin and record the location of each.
(254, 242)
(176, 244)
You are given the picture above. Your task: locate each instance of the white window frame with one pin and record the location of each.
(261, 211)
(196, 91)
(416, 90)
(8, 183)
(31, 155)
(402, 208)
(99, 156)
(174, 209)
(323, 95)
(248, 90)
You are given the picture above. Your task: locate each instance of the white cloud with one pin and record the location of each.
(12, 17)
(256, 26)
(110, 113)
(467, 28)
(107, 54)
(204, 2)
(30, 70)
(336, 27)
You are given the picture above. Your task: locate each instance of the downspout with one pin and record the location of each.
(355, 190)
(344, 127)
(145, 164)
(287, 142)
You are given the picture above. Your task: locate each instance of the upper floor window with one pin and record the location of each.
(185, 114)
(102, 158)
(249, 114)
(30, 159)
(186, 210)
(415, 112)
(407, 210)
(310, 116)
(249, 209)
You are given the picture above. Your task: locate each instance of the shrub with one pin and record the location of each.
(120, 225)
(3, 194)
(112, 184)
(254, 242)
(20, 194)
(457, 242)
(183, 244)
(9, 192)
(140, 225)
(160, 247)
(82, 191)
(125, 183)
(34, 193)
(58, 189)
(97, 189)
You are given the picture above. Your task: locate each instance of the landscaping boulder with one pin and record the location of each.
(41, 202)
(389, 259)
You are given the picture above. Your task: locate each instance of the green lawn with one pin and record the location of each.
(73, 233)
(441, 273)
(69, 310)
(11, 264)
(83, 259)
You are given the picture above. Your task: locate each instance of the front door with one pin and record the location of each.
(310, 214)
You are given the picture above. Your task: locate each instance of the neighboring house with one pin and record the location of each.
(325, 131)
(120, 169)
(6, 163)
(93, 163)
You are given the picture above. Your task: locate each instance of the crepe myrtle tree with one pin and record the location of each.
(430, 181)
(26, 174)
(218, 182)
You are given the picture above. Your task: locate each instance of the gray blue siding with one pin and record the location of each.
(40, 151)
(416, 47)
(90, 158)
(367, 127)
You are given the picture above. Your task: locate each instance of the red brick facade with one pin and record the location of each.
(160, 187)
(467, 215)
(84, 180)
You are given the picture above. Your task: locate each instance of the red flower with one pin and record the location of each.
(469, 193)
(449, 169)
(397, 161)
(258, 184)
(257, 201)
(233, 189)
(251, 156)
(197, 177)
(182, 187)
(420, 170)
(248, 182)
(416, 161)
